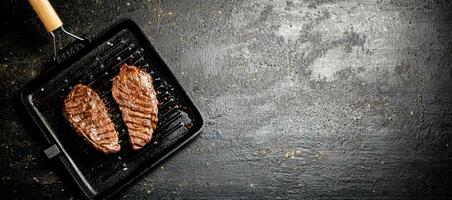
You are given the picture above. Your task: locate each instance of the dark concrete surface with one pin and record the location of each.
(313, 99)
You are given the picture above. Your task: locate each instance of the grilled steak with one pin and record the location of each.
(88, 115)
(134, 92)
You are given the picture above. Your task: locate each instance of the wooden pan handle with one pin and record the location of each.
(47, 14)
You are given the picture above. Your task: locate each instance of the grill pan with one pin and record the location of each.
(95, 63)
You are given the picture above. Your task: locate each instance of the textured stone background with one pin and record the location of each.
(313, 99)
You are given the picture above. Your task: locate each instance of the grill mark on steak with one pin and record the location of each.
(140, 103)
(140, 115)
(131, 85)
(88, 115)
(134, 92)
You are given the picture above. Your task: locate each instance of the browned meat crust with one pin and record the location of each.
(134, 92)
(86, 112)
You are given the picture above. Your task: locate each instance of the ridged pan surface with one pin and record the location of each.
(95, 65)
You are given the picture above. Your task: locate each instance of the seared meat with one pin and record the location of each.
(134, 92)
(88, 115)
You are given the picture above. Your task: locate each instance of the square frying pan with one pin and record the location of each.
(94, 63)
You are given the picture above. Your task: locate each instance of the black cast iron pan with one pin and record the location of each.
(95, 63)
